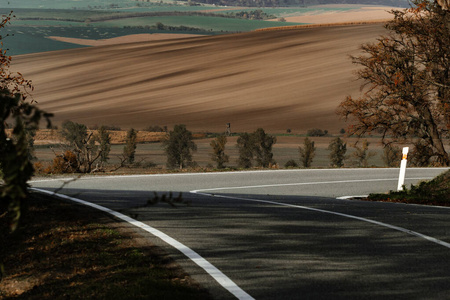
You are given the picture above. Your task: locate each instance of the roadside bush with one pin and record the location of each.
(291, 164)
(129, 150)
(218, 147)
(107, 127)
(392, 155)
(422, 155)
(105, 144)
(434, 192)
(64, 163)
(83, 144)
(316, 132)
(263, 148)
(307, 153)
(337, 155)
(155, 128)
(257, 145)
(245, 145)
(362, 154)
(179, 146)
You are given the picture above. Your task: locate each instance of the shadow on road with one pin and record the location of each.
(280, 252)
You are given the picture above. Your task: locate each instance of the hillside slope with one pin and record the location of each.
(272, 79)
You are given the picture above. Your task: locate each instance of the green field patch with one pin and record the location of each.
(25, 40)
(164, 7)
(300, 11)
(206, 23)
(33, 39)
(66, 4)
(56, 14)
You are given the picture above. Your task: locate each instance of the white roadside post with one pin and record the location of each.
(401, 178)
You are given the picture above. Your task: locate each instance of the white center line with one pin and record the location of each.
(300, 183)
(411, 232)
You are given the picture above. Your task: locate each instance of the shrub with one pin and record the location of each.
(74, 133)
(245, 146)
(316, 132)
(64, 163)
(362, 154)
(337, 155)
(307, 153)
(291, 164)
(129, 150)
(257, 145)
(218, 146)
(263, 148)
(105, 143)
(392, 156)
(107, 127)
(422, 155)
(83, 144)
(15, 166)
(178, 147)
(155, 128)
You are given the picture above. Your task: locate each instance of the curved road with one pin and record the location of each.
(283, 234)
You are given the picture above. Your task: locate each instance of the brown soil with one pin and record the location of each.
(271, 79)
(361, 14)
(124, 39)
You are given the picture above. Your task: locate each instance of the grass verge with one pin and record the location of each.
(64, 250)
(434, 192)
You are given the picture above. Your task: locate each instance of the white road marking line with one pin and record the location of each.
(411, 232)
(215, 273)
(220, 173)
(302, 183)
(351, 197)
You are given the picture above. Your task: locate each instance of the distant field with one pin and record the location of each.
(65, 4)
(30, 29)
(277, 80)
(98, 20)
(214, 24)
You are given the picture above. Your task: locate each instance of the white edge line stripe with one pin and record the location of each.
(304, 183)
(351, 197)
(414, 233)
(221, 278)
(224, 173)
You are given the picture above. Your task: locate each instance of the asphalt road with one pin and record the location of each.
(284, 235)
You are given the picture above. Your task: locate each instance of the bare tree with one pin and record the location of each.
(407, 81)
(392, 155)
(362, 153)
(84, 144)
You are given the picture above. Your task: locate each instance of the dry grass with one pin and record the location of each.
(63, 250)
(49, 136)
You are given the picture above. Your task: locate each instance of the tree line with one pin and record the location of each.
(257, 14)
(305, 3)
(88, 151)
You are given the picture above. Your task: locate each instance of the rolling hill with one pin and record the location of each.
(275, 79)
